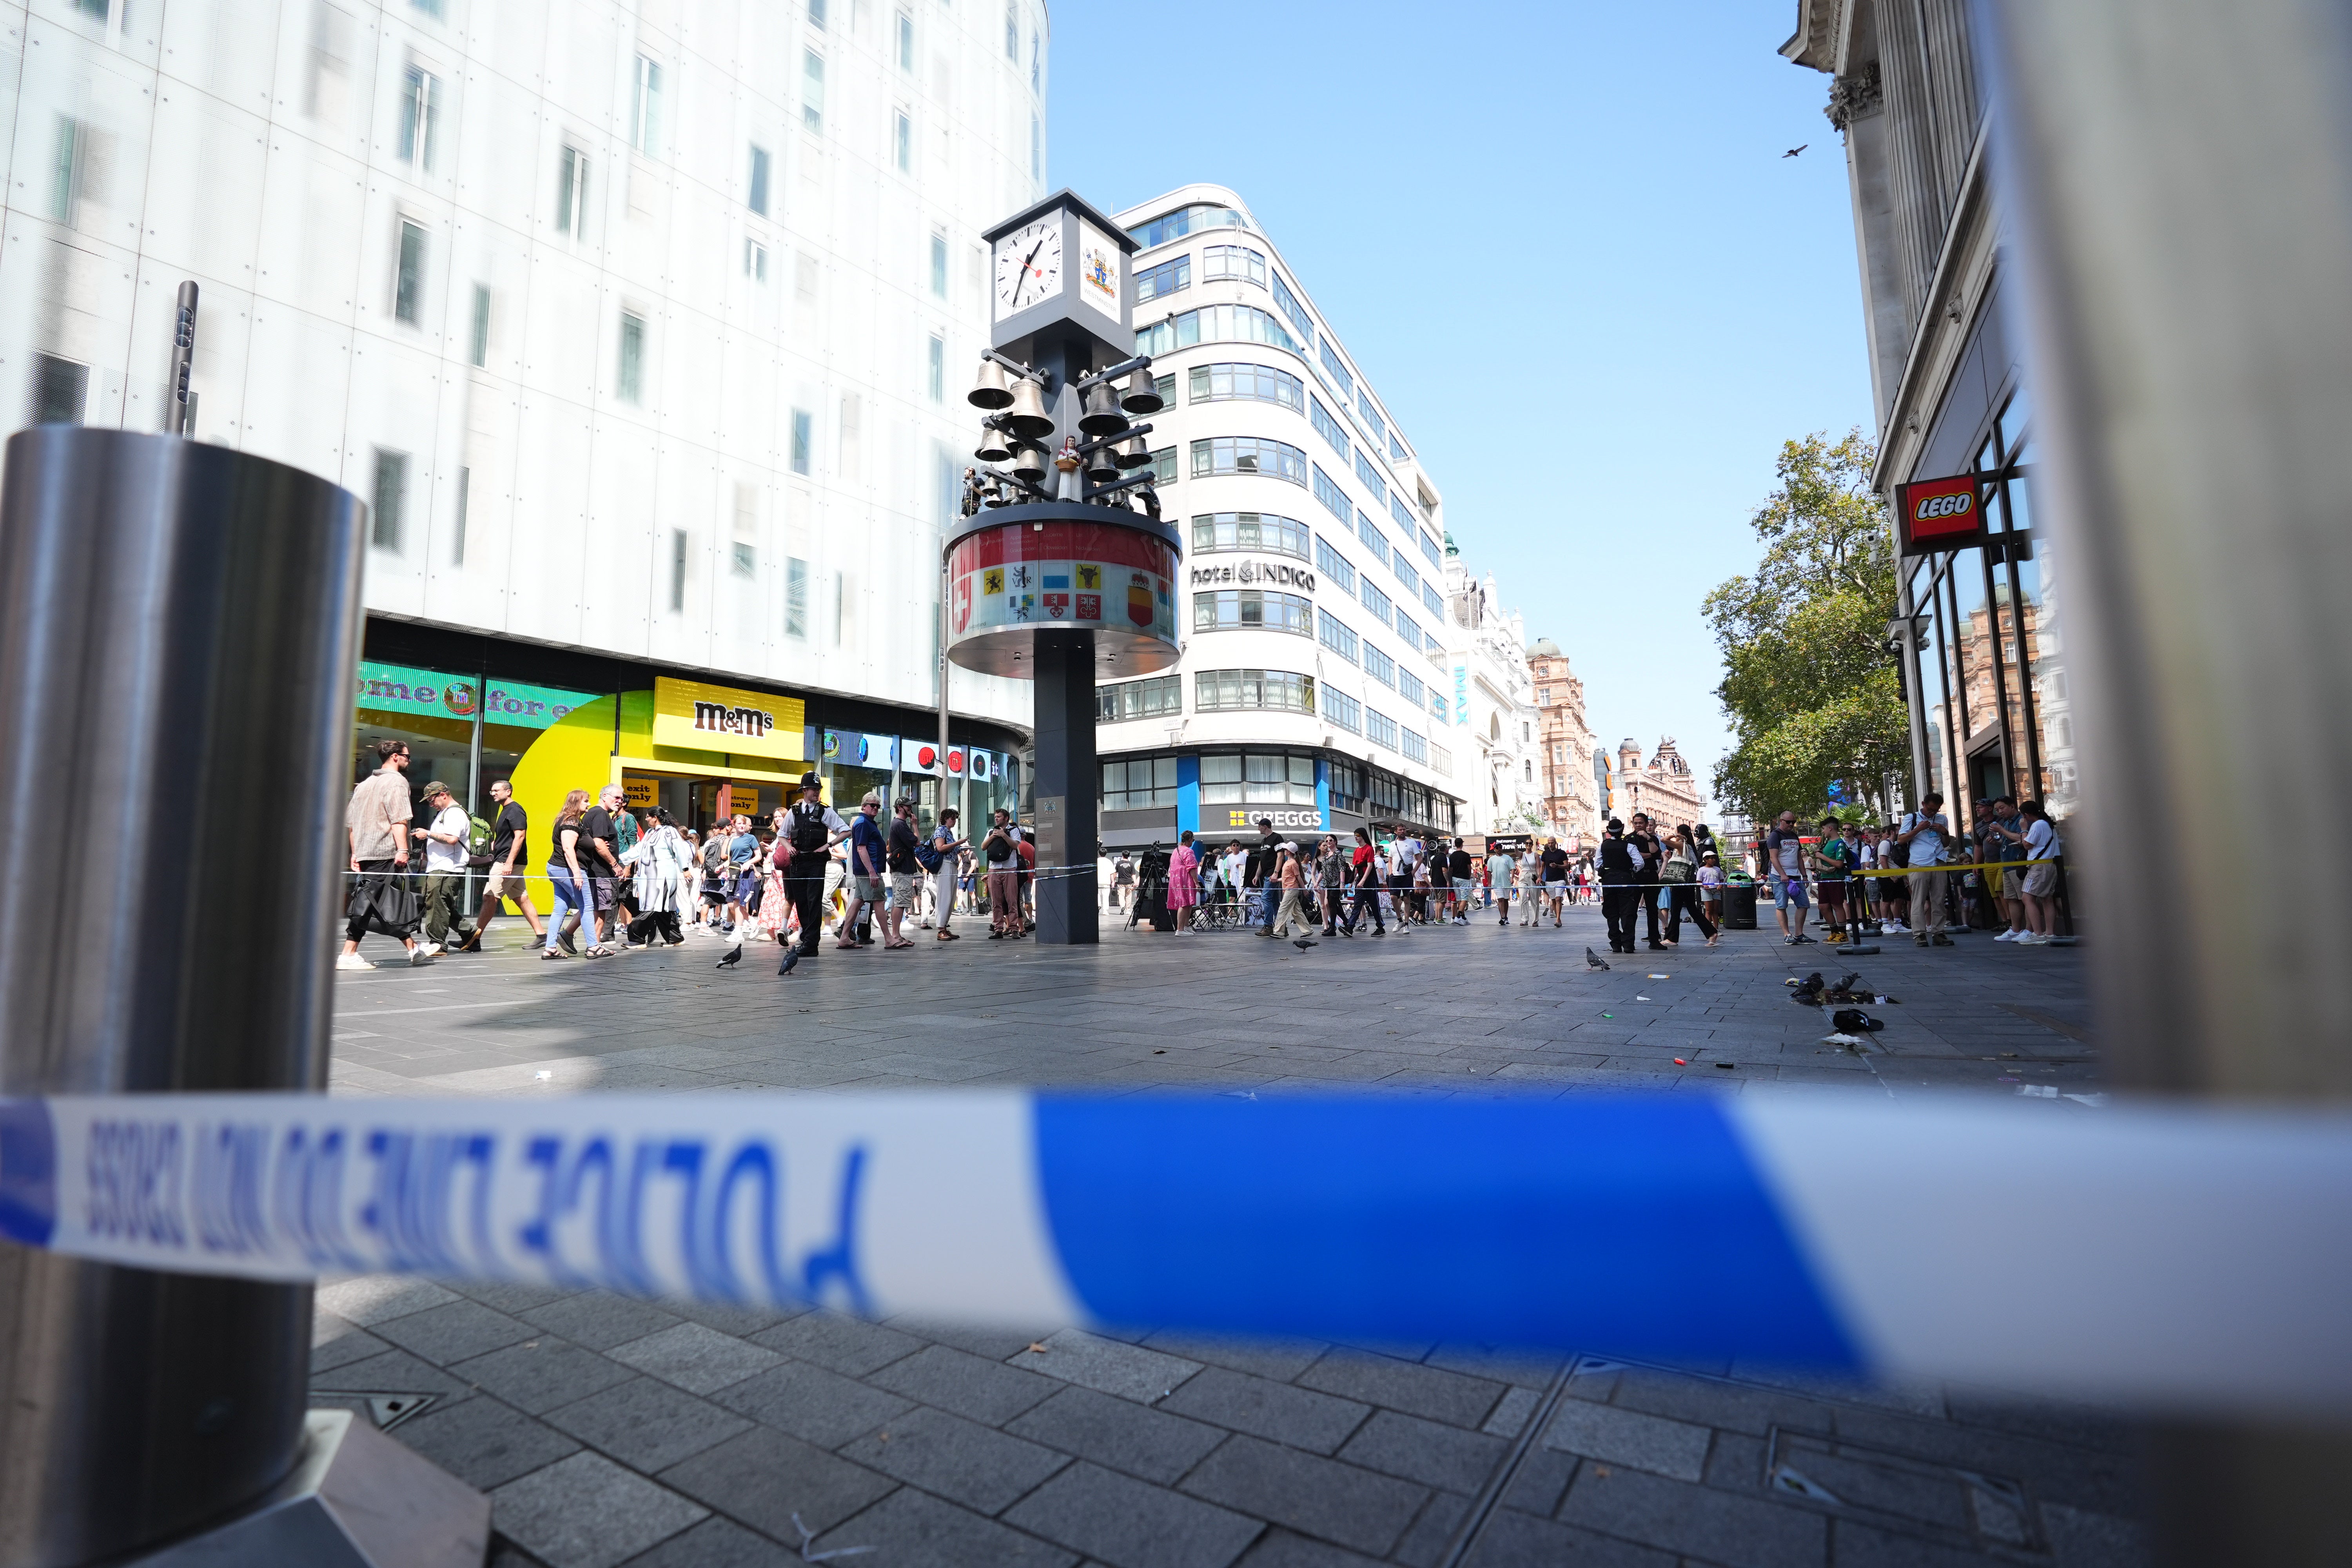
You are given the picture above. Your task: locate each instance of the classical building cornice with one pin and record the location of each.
(1857, 95)
(1820, 25)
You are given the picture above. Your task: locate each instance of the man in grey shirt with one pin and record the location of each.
(1923, 833)
(375, 824)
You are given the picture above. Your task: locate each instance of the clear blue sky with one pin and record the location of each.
(1563, 243)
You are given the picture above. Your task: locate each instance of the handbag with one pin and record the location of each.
(388, 902)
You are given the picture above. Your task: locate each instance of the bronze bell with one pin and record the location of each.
(993, 491)
(1028, 418)
(1102, 416)
(1134, 454)
(1141, 396)
(994, 445)
(990, 391)
(1102, 465)
(1029, 462)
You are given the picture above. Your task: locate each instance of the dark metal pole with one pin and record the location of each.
(178, 627)
(2180, 179)
(1067, 779)
(179, 410)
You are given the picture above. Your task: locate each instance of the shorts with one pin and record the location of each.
(509, 885)
(1789, 892)
(2041, 881)
(867, 888)
(1463, 887)
(1554, 890)
(2012, 883)
(1832, 890)
(902, 888)
(601, 892)
(741, 880)
(716, 890)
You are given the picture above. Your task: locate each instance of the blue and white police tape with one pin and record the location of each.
(2163, 1257)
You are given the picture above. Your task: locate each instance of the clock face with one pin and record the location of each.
(1028, 267)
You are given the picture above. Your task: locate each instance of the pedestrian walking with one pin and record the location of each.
(1461, 881)
(568, 879)
(2039, 887)
(1710, 894)
(1290, 884)
(717, 881)
(1002, 852)
(657, 864)
(1681, 877)
(1364, 876)
(1921, 837)
(1183, 882)
(906, 873)
(1621, 895)
(1529, 891)
(1331, 878)
(1123, 883)
(445, 846)
(868, 851)
(600, 855)
(624, 838)
(1500, 868)
(376, 832)
(1555, 879)
(509, 857)
(1784, 858)
(1648, 873)
(811, 830)
(945, 857)
(1258, 875)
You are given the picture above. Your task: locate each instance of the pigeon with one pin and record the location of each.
(1303, 943)
(1794, 151)
(1593, 959)
(1807, 992)
(733, 956)
(792, 956)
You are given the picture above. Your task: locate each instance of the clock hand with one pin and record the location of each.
(1032, 255)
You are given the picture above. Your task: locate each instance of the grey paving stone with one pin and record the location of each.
(1314, 1496)
(1651, 1443)
(1113, 1366)
(910, 1530)
(1695, 1521)
(598, 1320)
(1281, 1549)
(1405, 1385)
(810, 1403)
(1428, 1537)
(1510, 1415)
(371, 1299)
(955, 1380)
(1516, 1367)
(540, 1374)
(1119, 1433)
(646, 1423)
(1537, 1484)
(1298, 1417)
(761, 1479)
(2084, 1540)
(1427, 1451)
(1127, 1524)
(741, 1321)
(961, 1460)
(1513, 1539)
(334, 1343)
(588, 1512)
(992, 1345)
(715, 1543)
(483, 1443)
(846, 1345)
(394, 1371)
(1742, 1405)
(453, 1331)
(697, 1359)
(505, 1296)
(1279, 1361)
(1854, 1544)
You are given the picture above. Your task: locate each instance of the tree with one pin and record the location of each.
(1809, 691)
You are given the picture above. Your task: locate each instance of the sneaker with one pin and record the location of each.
(418, 957)
(353, 961)
(569, 942)
(2012, 936)
(2032, 939)
(1919, 939)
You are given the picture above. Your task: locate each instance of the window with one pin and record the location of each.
(1234, 261)
(813, 92)
(1036, 148)
(1372, 417)
(1333, 634)
(1229, 690)
(1380, 666)
(938, 266)
(1408, 576)
(390, 493)
(1338, 369)
(408, 275)
(1257, 383)
(1153, 698)
(1011, 32)
(478, 353)
(1380, 729)
(420, 118)
(1249, 455)
(1249, 531)
(68, 154)
(906, 43)
(1402, 513)
(755, 262)
(1252, 609)
(1396, 454)
(1037, 62)
(1165, 385)
(60, 390)
(817, 14)
(759, 200)
(1328, 427)
(796, 596)
(1184, 221)
(1430, 552)
(1332, 564)
(1373, 536)
(1153, 282)
(630, 384)
(802, 440)
(938, 368)
(1142, 782)
(430, 8)
(1334, 498)
(743, 559)
(1410, 687)
(1344, 712)
(1437, 707)
(808, 274)
(1434, 601)
(1383, 608)
(1274, 779)
(1415, 747)
(645, 108)
(571, 193)
(676, 571)
(465, 500)
(1287, 303)
(902, 141)
(1442, 761)
(1163, 466)
(1214, 324)
(1370, 472)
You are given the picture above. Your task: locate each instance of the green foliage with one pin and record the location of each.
(1809, 691)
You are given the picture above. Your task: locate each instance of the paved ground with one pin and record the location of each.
(610, 1431)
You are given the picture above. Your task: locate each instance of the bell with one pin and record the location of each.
(993, 491)
(994, 445)
(1102, 465)
(1141, 396)
(1102, 416)
(1134, 454)
(1028, 418)
(990, 391)
(1029, 462)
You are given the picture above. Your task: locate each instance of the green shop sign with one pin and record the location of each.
(403, 689)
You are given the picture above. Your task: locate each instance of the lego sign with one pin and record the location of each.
(1935, 515)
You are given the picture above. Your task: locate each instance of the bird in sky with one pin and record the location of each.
(1794, 151)
(1593, 959)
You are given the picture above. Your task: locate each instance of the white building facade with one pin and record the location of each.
(1312, 685)
(1494, 697)
(638, 328)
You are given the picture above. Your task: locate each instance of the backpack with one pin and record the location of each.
(927, 855)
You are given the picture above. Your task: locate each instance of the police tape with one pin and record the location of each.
(1954, 865)
(2162, 1257)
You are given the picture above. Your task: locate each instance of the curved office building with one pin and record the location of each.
(1313, 687)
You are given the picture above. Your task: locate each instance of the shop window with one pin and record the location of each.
(1140, 784)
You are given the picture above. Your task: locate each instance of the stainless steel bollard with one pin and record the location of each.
(178, 624)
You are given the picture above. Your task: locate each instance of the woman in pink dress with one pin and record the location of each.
(1183, 882)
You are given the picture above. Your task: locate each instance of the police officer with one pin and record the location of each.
(811, 830)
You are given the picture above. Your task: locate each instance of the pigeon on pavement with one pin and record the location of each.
(1303, 943)
(792, 956)
(1593, 959)
(733, 956)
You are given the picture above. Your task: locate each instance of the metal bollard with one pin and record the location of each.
(178, 623)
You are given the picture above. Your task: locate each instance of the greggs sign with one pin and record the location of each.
(706, 717)
(1940, 514)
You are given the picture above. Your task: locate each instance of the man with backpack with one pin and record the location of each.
(803, 851)
(937, 854)
(1003, 850)
(1921, 837)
